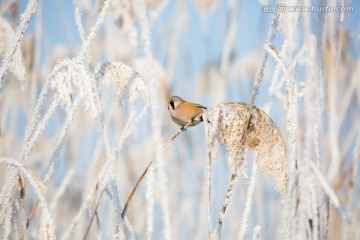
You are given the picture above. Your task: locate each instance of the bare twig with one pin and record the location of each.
(134, 189)
(146, 169)
(93, 215)
(22, 201)
(29, 218)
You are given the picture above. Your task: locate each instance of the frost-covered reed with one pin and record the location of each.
(88, 150)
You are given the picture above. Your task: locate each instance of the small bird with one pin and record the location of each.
(183, 112)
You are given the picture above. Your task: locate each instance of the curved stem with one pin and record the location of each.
(147, 168)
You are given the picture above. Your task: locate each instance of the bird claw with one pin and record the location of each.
(183, 129)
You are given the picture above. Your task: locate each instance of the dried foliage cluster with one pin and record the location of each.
(79, 123)
(243, 130)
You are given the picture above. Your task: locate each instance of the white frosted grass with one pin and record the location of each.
(105, 174)
(79, 25)
(208, 188)
(210, 131)
(38, 187)
(149, 195)
(34, 119)
(292, 126)
(69, 77)
(303, 212)
(262, 137)
(129, 84)
(21, 205)
(352, 194)
(126, 131)
(130, 228)
(248, 203)
(287, 21)
(29, 142)
(293, 62)
(61, 140)
(40, 128)
(61, 190)
(140, 9)
(132, 120)
(325, 217)
(24, 22)
(68, 233)
(314, 88)
(333, 121)
(163, 181)
(276, 82)
(227, 125)
(329, 191)
(63, 84)
(350, 138)
(306, 187)
(5, 196)
(314, 208)
(15, 226)
(37, 51)
(256, 234)
(110, 162)
(347, 97)
(316, 133)
(107, 171)
(109, 168)
(118, 236)
(7, 37)
(228, 198)
(99, 21)
(85, 205)
(260, 72)
(117, 206)
(273, 52)
(8, 190)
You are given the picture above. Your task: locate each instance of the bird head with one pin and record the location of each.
(174, 101)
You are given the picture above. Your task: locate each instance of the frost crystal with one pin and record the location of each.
(128, 82)
(70, 78)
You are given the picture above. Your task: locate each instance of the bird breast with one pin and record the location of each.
(184, 113)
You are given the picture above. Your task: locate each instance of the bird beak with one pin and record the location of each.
(168, 104)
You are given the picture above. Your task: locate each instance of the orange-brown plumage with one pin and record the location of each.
(183, 112)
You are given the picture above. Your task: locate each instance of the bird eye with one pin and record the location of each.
(172, 105)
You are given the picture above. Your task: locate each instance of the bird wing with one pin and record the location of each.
(199, 106)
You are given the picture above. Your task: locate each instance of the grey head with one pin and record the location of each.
(175, 101)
